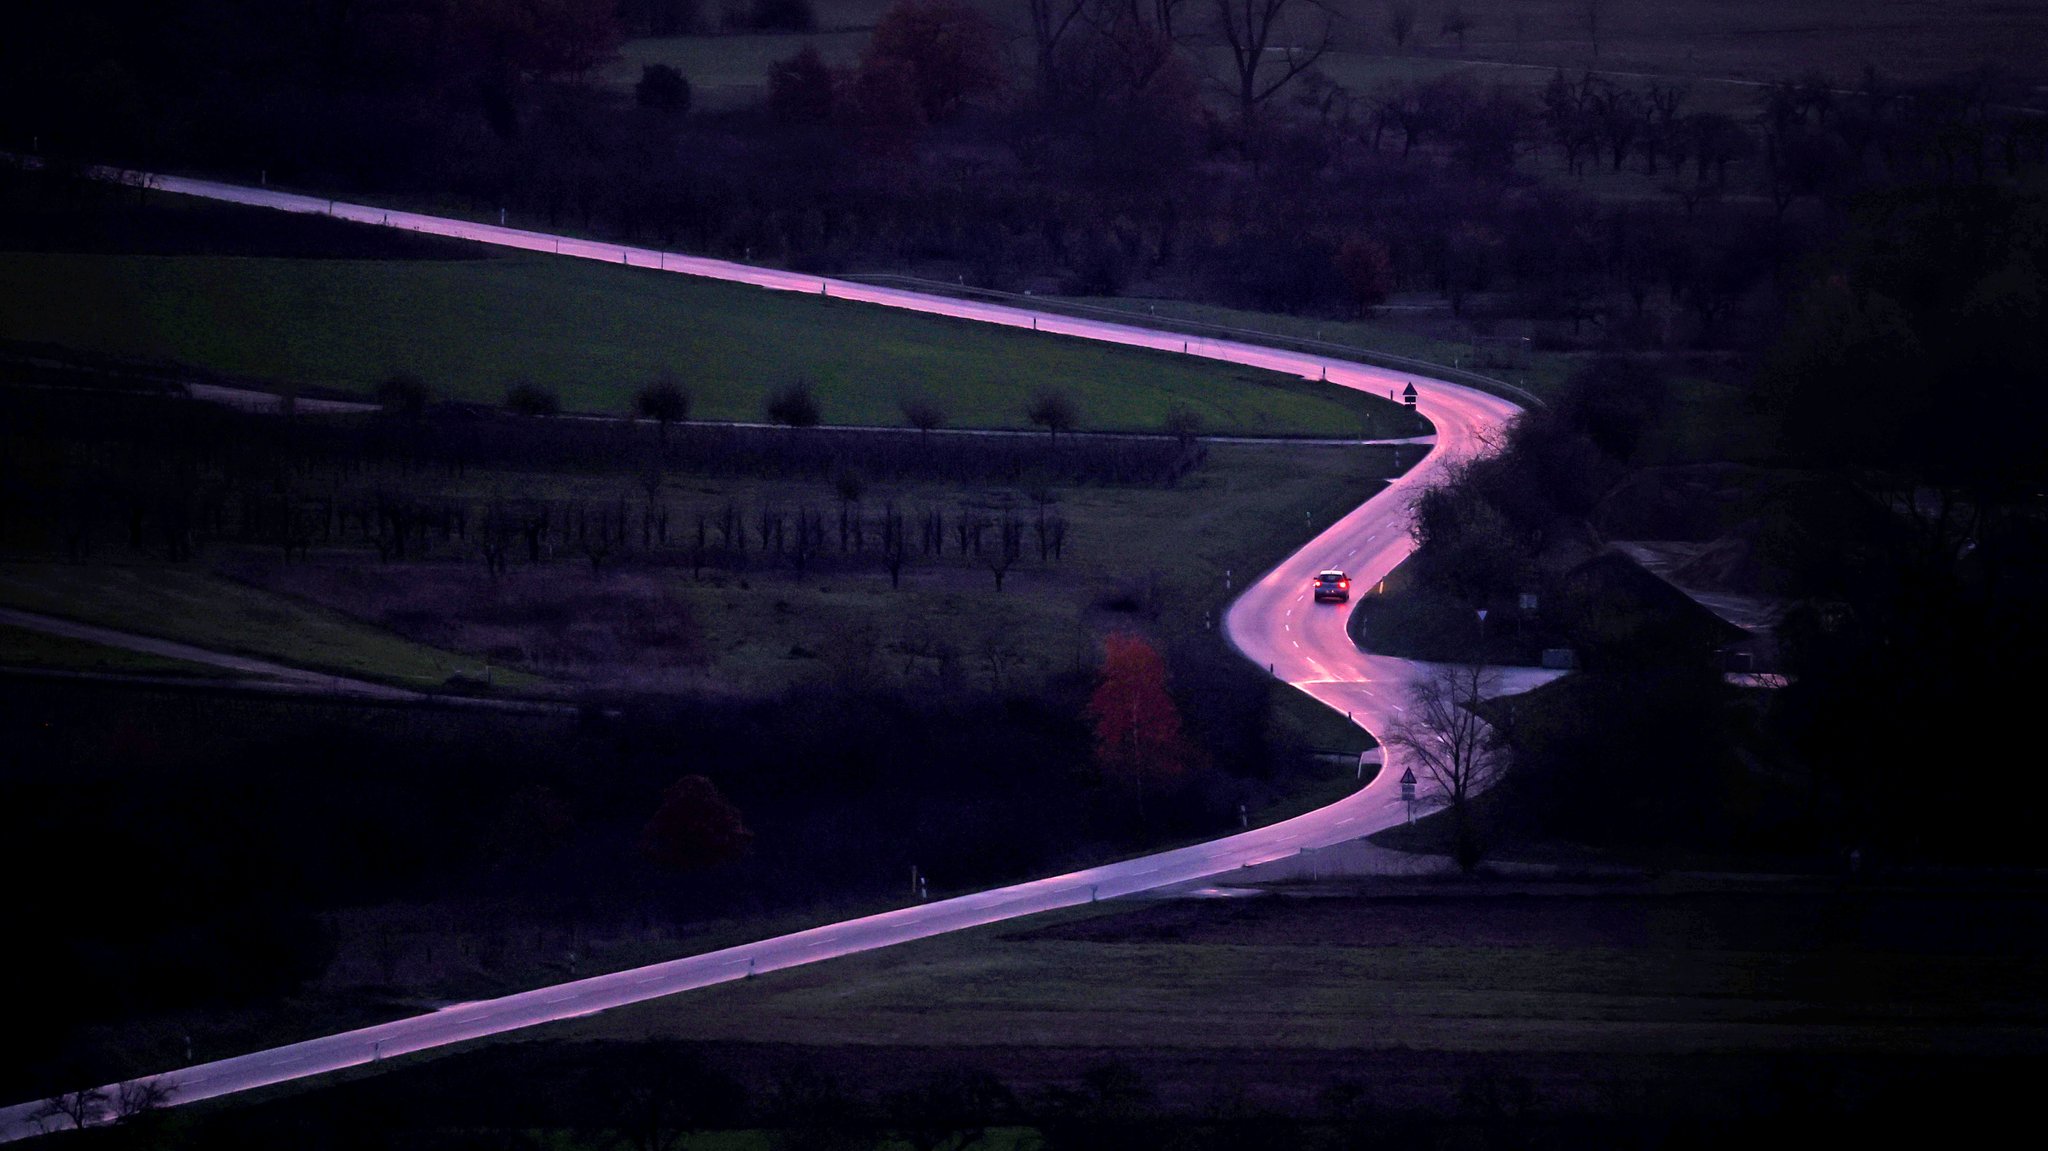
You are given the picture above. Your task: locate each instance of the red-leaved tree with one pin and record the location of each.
(695, 827)
(1138, 740)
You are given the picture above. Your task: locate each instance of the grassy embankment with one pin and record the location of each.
(1622, 1009)
(195, 606)
(1477, 969)
(1151, 559)
(1540, 372)
(21, 647)
(596, 334)
(354, 303)
(1147, 558)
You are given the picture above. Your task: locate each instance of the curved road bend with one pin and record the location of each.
(1274, 623)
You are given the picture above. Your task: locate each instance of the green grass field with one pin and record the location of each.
(194, 606)
(767, 628)
(597, 334)
(1418, 967)
(22, 647)
(1490, 1007)
(1508, 360)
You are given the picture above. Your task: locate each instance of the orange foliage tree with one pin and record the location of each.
(1138, 739)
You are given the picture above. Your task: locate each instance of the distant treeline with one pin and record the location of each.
(1099, 166)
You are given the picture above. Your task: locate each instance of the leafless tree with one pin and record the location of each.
(1248, 28)
(1454, 753)
(1050, 21)
(1401, 21)
(997, 655)
(137, 1099)
(923, 413)
(1054, 411)
(494, 542)
(665, 401)
(1456, 22)
(1010, 546)
(894, 547)
(1594, 11)
(1183, 423)
(77, 1108)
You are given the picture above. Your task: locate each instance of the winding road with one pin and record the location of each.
(1274, 622)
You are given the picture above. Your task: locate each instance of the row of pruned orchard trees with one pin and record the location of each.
(997, 534)
(88, 475)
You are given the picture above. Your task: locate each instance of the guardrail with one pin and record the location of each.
(1205, 328)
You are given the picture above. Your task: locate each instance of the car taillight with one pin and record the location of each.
(1343, 583)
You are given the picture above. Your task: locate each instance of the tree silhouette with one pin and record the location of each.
(403, 394)
(1454, 753)
(951, 52)
(663, 89)
(694, 827)
(530, 399)
(1054, 411)
(664, 401)
(923, 413)
(800, 89)
(1249, 29)
(794, 406)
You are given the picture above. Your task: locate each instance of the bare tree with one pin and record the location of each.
(1593, 11)
(1248, 28)
(1454, 753)
(1183, 423)
(1050, 20)
(78, 1108)
(1401, 22)
(894, 548)
(1010, 546)
(794, 405)
(665, 401)
(1456, 22)
(922, 412)
(1054, 411)
(494, 542)
(137, 1099)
